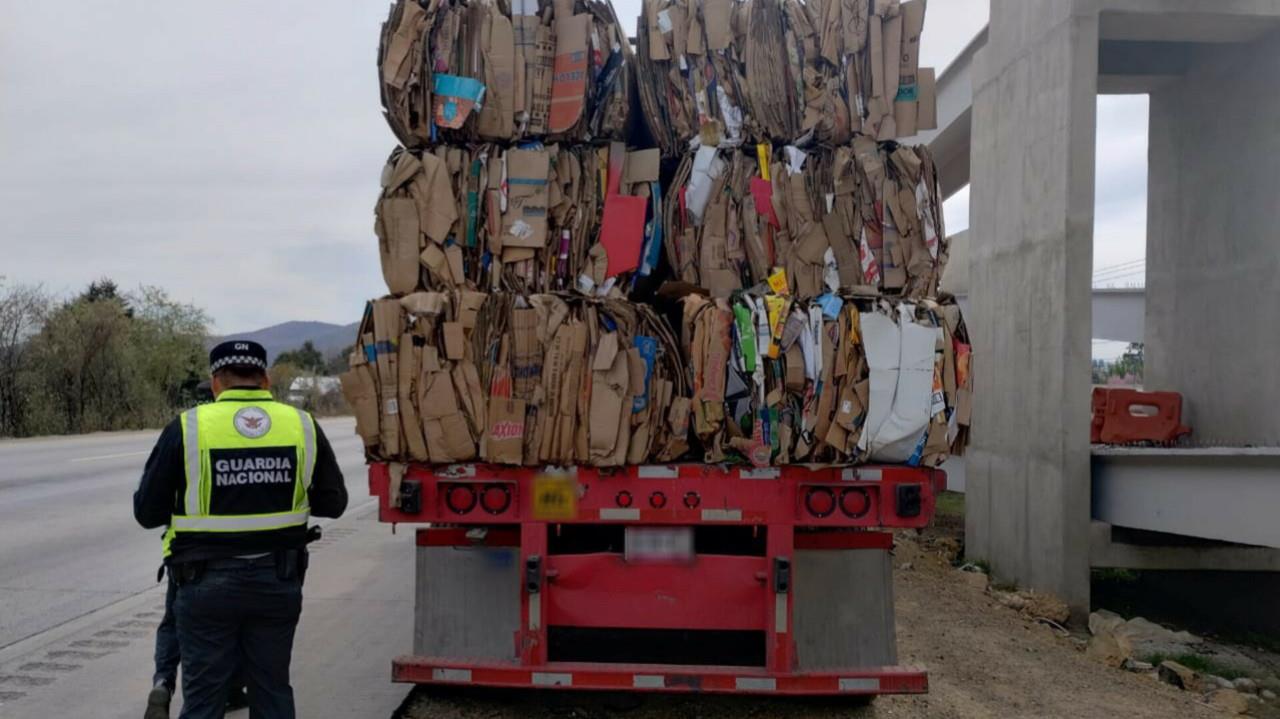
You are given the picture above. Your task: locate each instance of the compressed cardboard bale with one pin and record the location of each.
(492, 217)
(819, 220)
(415, 209)
(428, 404)
(777, 71)
(842, 379)
(480, 70)
(533, 379)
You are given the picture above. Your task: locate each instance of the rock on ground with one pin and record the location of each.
(1109, 649)
(1134, 665)
(1175, 674)
(1104, 622)
(1229, 701)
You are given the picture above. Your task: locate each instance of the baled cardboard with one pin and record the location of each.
(361, 392)
(468, 71)
(569, 79)
(844, 386)
(497, 117)
(399, 236)
(891, 34)
(642, 166)
(409, 370)
(524, 224)
(907, 100)
(717, 15)
(454, 340)
(505, 431)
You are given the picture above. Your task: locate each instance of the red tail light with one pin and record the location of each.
(820, 501)
(854, 502)
(496, 498)
(460, 498)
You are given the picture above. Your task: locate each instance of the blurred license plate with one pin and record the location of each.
(659, 544)
(555, 497)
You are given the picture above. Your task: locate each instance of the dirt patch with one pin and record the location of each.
(987, 660)
(984, 660)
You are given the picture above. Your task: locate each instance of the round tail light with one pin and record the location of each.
(496, 498)
(657, 500)
(820, 501)
(460, 498)
(854, 502)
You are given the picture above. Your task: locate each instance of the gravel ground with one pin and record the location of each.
(984, 660)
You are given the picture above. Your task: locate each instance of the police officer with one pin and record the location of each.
(236, 482)
(167, 654)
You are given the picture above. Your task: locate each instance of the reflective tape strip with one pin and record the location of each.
(755, 684)
(455, 471)
(535, 612)
(191, 442)
(658, 471)
(632, 513)
(722, 515)
(780, 613)
(551, 679)
(648, 681)
(451, 675)
(761, 473)
(859, 684)
(864, 475)
(249, 523)
(309, 448)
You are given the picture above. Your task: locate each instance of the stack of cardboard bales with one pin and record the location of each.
(526, 203)
(512, 123)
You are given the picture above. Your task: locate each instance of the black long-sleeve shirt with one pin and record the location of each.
(160, 495)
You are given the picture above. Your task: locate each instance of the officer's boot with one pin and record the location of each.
(158, 702)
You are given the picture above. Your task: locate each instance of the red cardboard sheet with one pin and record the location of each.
(762, 193)
(622, 232)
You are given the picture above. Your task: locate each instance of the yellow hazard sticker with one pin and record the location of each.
(555, 497)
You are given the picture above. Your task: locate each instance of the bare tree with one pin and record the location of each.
(23, 309)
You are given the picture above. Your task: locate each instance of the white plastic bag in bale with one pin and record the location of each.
(900, 356)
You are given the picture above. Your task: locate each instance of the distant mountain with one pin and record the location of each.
(327, 337)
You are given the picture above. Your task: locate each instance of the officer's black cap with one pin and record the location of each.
(238, 353)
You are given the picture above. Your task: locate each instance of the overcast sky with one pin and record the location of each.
(229, 151)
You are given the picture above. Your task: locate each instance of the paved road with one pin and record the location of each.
(75, 568)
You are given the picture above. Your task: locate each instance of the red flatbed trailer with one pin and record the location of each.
(676, 578)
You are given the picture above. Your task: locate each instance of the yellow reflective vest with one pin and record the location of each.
(249, 461)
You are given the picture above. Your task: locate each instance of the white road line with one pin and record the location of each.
(109, 456)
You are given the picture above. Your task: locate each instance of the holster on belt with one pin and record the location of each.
(291, 564)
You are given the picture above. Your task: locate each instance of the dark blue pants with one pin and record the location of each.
(167, 654)
(244, 616)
